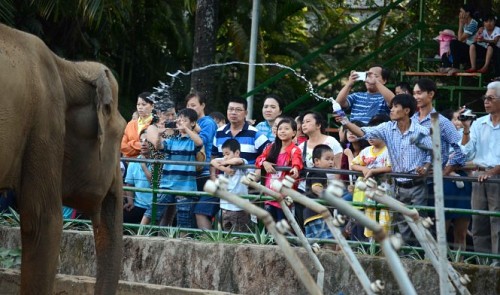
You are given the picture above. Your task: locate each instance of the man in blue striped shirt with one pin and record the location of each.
(251, 140)
(376, 99)
(424, 92)
(406, 157)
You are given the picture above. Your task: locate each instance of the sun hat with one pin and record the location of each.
(446, 32)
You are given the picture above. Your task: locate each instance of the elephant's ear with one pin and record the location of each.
(103, 104)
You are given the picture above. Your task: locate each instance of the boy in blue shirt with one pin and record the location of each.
(138, 175)
(181, 147)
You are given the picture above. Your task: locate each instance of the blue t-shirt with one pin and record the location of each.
(266, 129)
(137, 178)
(208, 128)
(471, 30)
(177, 176)
(365, 105)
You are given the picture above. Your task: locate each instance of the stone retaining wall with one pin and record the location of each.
(10, 281)
(242, 268)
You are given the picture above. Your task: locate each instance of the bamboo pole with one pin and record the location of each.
(250, 181)
(333, 196)
(219, 189)
(284, 187)
(439, 204)
(419, 228)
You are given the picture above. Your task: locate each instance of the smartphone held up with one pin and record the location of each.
(361, 76)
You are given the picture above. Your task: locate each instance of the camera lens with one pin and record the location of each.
(467, 115)
(170, 124)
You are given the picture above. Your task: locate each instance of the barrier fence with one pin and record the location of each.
(261, 198)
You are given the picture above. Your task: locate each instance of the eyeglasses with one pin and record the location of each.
(491, 98)
(235, 110)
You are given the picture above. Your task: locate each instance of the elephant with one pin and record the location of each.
(60, 134)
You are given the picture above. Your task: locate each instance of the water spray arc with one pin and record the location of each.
(165, 88)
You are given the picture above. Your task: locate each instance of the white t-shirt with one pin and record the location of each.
(235, 186)
(332, 143)
(371, 159)
(492, 36)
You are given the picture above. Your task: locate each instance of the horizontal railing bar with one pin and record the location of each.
(307, 169)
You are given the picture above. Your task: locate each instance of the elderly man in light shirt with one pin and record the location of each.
(481, 141)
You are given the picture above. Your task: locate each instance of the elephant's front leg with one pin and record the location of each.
(108, 235)
(40, 206)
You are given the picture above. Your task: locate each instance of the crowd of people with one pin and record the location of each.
(385, 132)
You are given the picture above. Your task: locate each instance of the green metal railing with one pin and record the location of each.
(260, 198)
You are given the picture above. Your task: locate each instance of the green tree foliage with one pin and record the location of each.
(143, 40)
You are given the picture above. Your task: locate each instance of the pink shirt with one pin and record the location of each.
(281, 161)
(444, 43)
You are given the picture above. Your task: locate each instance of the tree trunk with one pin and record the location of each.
(206, 24)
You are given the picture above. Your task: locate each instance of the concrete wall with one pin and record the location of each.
(10, 282)
(245, 269)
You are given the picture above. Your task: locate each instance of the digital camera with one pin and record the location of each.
(467, 115)
(170, 124)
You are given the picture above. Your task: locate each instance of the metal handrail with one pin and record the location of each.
(157, 190)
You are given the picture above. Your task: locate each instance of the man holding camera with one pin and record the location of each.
(482, 144)
(376, 99)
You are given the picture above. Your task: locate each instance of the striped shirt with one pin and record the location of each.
(405, 156)
(266, 129)
(450, 139)
(175, 176)
(365, 105)
(251, 140)
(470, 29)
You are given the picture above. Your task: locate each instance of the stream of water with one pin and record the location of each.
(163, 90)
